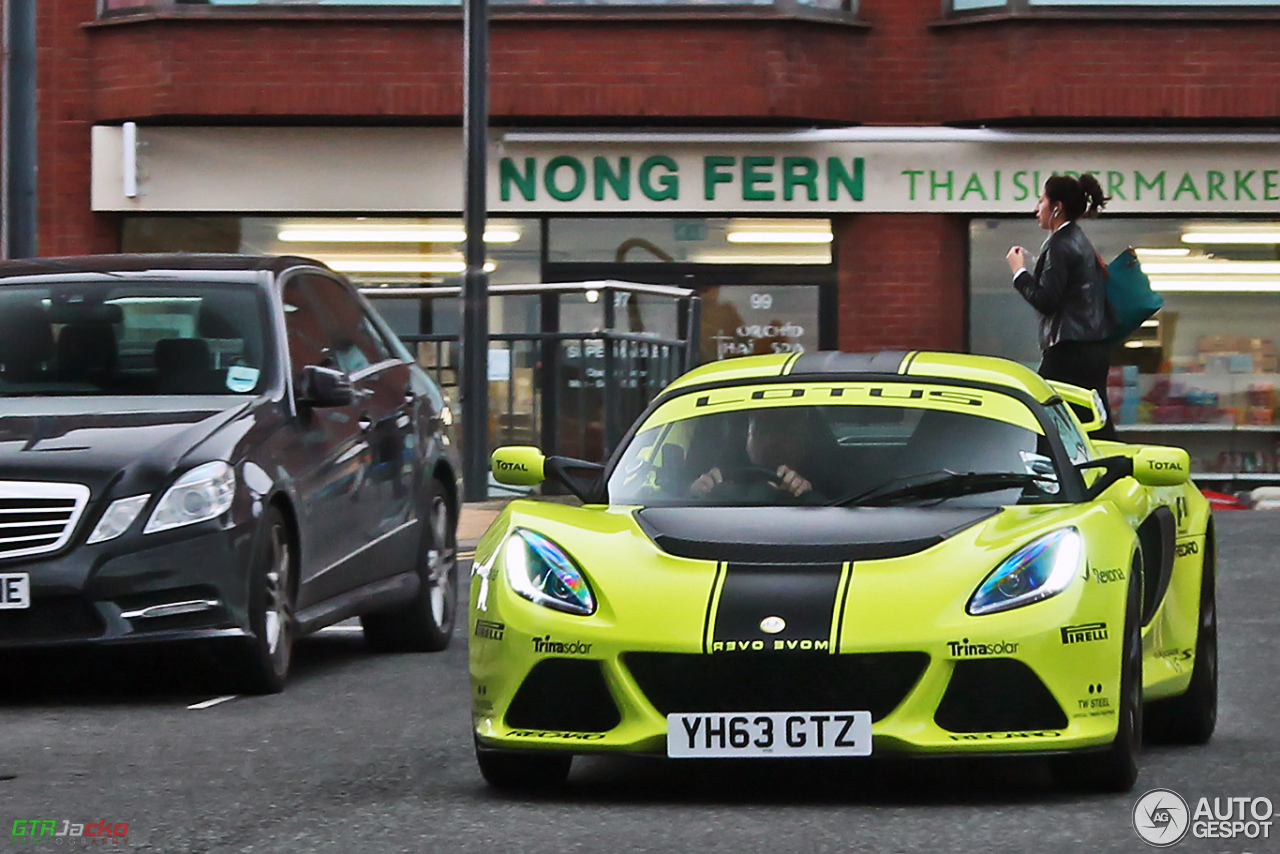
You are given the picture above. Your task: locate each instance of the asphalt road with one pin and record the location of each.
(371, 753)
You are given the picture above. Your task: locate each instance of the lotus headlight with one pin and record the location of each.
(540, 571)
(1038, 570)
(118, 518)
(201, 494)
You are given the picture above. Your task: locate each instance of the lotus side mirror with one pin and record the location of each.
(324, 387)
(525, 465)
(1150, 465)
(518, 465)
(1156, 465)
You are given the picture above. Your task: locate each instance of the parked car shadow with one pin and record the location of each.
(882, 782)
(182, 673)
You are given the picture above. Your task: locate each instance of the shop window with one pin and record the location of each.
(1202, 373)
(749, 320)
(1169, 5)
(124, 7)
(713, 240)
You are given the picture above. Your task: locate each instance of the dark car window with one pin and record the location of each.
(132, 338)
(305, 332)
(356, 342)
(844, 446)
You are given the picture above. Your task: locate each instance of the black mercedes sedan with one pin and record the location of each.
(219, 448)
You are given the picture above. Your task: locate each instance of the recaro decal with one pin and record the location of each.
(999, 736)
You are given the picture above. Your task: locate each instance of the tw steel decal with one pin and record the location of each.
(566, 736)
(809, 599)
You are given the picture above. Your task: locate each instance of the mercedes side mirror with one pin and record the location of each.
(324, 387)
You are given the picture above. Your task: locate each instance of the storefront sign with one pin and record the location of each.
(333, 170)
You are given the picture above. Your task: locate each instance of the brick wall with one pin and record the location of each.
(578, 70)
(64, 100)
(902, 281)
(1166, 72)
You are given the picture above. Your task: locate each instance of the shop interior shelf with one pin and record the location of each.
(1198, 428)
(1235, 475)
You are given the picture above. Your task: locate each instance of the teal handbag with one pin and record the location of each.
(1130, 296)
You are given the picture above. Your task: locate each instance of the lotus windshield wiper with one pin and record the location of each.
(942, 484)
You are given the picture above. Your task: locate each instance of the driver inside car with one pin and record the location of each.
(775, 445)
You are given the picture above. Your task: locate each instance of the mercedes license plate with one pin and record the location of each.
(693, 735)
(15, 590)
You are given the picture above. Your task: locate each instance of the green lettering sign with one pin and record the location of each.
(1186, 185)
(712, 174)
(1020, 181)
(799, 172)
(527, 183)
(947, 184)
(1269, 185)
(973, 185)
(579, 174)
(1156, 183)
(669, 183)
(619, 182)
(1215, 182)
(751, 176)
(838, 176)
(1115, 185)
(1242, 185)
(912, 175)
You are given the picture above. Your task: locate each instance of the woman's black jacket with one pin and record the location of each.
(1068, 289)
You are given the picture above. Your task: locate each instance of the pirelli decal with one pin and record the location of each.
(756, 608)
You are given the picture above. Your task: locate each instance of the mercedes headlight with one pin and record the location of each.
(540, 571)
(118, 518)
(201, 494)
(1038, 570)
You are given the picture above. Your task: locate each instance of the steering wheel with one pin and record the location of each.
(744, 475)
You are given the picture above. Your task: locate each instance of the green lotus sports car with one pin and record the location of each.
(849, 555)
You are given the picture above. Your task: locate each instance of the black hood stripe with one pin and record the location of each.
(846, 581)
(713, 601)
(810, 598)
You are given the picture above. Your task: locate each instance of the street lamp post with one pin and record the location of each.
(473, 384)
(18, 131)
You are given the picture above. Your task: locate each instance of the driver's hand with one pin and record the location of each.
(703, 485)
(792, 482)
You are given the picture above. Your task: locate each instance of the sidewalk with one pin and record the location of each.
(476, 516)
(474, 520)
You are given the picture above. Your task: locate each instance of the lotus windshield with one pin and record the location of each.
(131, 338)
(851, 444)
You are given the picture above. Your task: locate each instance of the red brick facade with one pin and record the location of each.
(902, 63)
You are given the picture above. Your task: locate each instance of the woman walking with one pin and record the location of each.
(1068, 289)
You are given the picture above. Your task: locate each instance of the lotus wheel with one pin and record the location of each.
(1115, 769)
(523, 772)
